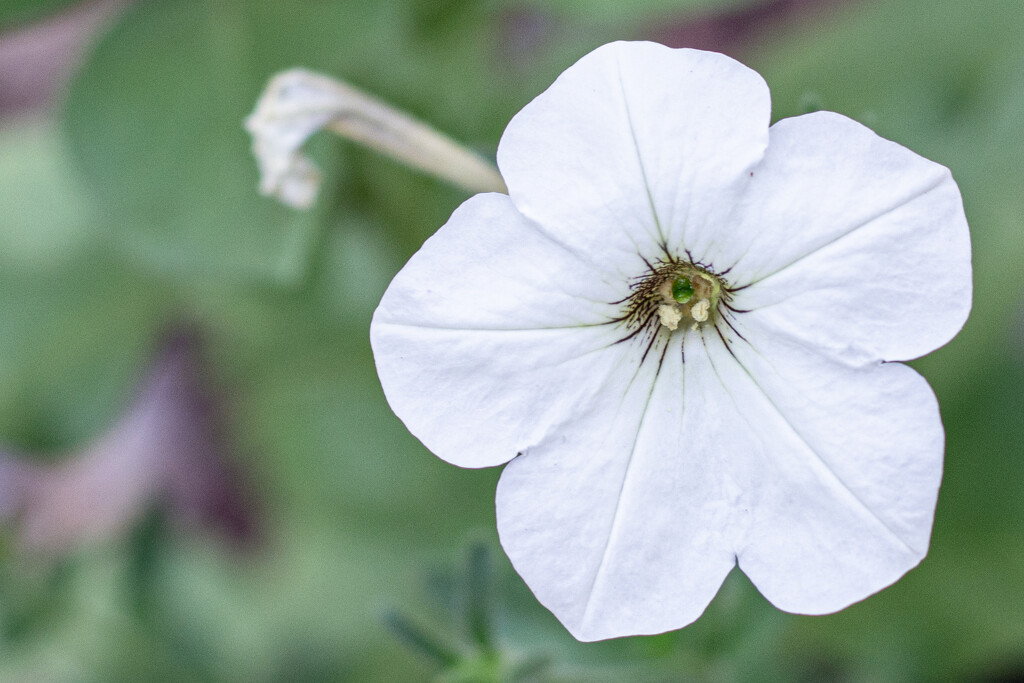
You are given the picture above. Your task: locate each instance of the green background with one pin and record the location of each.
(131, 208)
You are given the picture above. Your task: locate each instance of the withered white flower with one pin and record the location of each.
(679, 326)
(298, 103)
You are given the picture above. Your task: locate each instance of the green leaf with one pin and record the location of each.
(635, 12)
(73, 344)
(20, 11)
(48, 217)
(155, 125)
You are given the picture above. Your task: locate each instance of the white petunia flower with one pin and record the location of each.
(679, 327)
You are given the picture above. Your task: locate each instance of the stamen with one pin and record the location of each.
(670, 316)
(699, 312)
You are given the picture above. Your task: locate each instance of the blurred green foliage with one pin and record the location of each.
(14, 12)
(136, 208)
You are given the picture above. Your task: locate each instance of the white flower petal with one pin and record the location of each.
(653, 141)
(853, 241)
(627, 522)
(492, 335)
(847, 471)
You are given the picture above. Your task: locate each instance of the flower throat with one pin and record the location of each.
(675, 293)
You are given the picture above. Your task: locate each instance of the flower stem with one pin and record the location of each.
(478, 589)
(422, 639)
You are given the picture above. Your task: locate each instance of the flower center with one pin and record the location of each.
(675, 293)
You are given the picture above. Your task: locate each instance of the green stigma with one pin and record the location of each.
(682, 289)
